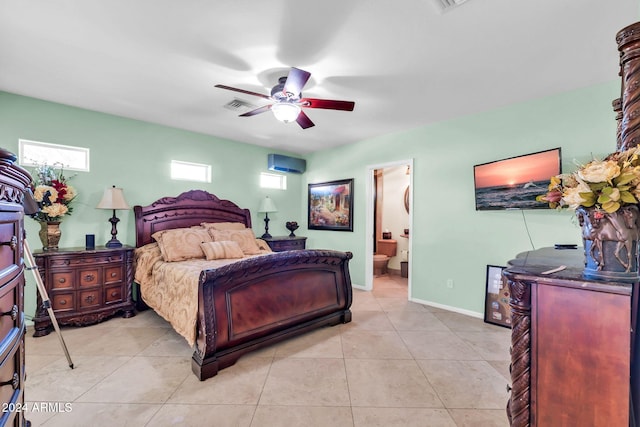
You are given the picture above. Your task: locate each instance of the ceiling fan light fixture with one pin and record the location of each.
(285, 111)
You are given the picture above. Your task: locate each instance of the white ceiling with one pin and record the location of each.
(404, 63)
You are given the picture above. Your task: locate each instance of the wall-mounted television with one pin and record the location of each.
(515, 182)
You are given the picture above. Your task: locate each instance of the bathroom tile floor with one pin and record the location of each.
(397, 363)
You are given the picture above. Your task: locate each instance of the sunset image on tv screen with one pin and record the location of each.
(514, 183)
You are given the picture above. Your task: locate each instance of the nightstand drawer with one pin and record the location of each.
(113, 294)
(286, 243)
(63, 302)
(89, 299)
(62, 280)
(89, 277)
(113, 275)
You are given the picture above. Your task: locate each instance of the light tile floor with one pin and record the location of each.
(396, 364)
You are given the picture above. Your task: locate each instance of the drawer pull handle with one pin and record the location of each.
(62, 280)
(14, 382)
(113, 294)
(114, 274)
(13, 313)
(12, 243)
(89, 277)
(63, 302)
(90, 299)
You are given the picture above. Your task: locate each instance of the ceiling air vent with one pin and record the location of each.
(447, 5)
(239, 105)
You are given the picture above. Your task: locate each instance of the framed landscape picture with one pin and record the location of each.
(496, 303)
(330, 205)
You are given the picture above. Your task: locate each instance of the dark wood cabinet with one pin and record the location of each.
(13, 182)
(285, 243)
(571, 345)
(84, 286)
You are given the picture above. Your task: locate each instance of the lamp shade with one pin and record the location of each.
(113, 198)
(267, 205)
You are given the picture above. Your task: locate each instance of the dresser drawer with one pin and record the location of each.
(10, 375)
(63, 301)
(9, 240)
(113, 275)
(10, 312)
(89, 277)
(62, 280)
(89, 299)
(113, 294)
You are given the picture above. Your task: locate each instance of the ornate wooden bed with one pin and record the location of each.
(255, 301)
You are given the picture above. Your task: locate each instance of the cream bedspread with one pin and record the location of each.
(171, 288)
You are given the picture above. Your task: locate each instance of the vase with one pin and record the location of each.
(610, 242)
(291, 226)
(50, 235)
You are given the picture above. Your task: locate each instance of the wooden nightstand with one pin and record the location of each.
(84, 286)
(285, 243)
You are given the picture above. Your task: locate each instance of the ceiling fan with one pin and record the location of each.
(288, 101)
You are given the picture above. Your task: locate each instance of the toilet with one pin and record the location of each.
(386, 249)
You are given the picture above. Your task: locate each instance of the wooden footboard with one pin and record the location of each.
(263, 300)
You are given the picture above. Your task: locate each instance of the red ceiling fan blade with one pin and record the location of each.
(328, 104)
(256, 111)
(248, 92)
(296, 80)
(304, 121)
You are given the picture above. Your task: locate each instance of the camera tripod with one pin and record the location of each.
(46, 303)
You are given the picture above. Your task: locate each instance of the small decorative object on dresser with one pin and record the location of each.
(285, 243)
(292, 226)
(85, 286)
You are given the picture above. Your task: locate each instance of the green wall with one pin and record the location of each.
(135, 155)
(450, 239)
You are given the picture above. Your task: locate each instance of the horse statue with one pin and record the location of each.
(622, 227)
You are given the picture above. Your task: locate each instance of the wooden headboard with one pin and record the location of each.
(188, 209)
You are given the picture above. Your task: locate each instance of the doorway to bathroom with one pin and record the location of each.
(388, 227)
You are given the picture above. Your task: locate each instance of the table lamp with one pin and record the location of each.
(266, 206)
(113, 198)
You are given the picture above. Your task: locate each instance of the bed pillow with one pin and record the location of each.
(223, 225)
(244, 238)
(264, 247)
(180, 244)
(225, 249)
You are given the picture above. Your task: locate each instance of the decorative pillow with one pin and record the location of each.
(223, 225)
(244, 238)
(225, 249)
(264, 246)
(180, 244)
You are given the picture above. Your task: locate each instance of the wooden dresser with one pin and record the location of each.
(13, 182)
(285, 243)
(84, 286)
(572, 344)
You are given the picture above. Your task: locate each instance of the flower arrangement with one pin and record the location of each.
(604, 184)
(52, 192)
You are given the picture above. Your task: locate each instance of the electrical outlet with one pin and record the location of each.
(450, 283)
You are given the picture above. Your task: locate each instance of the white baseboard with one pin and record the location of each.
(433, 304)
(449, 308)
